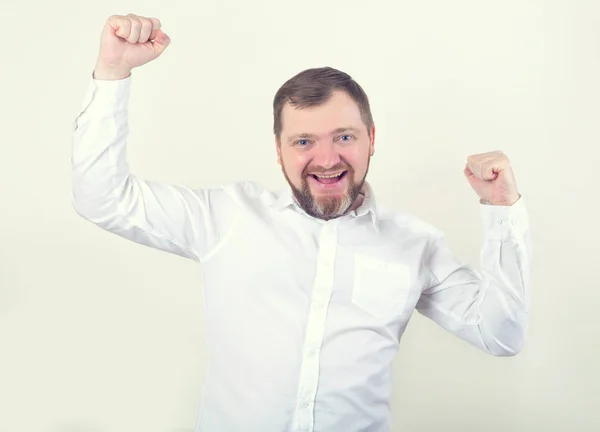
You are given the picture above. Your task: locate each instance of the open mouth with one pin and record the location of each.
(329, 178)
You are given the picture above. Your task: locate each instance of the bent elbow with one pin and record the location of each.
(102, 203)
(508, 350)
(507, 339)
(102, 212)
(79, 208)
(86, 207)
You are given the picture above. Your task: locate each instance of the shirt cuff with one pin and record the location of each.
(107, 96)
(503, 222)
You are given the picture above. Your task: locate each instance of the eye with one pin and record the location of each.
(346, 138)
(302, 143)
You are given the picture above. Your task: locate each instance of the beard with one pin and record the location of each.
(327, 207)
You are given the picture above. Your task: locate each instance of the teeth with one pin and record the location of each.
(329, 176)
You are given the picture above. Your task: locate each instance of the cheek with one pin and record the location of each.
(358, 162)
(294, 167)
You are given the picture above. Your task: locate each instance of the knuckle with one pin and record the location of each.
(117, 19)
(125, 25)
(146, 23)
(132, 18)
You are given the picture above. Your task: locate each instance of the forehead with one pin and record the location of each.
(339, 110)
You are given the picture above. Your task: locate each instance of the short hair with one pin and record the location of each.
(313, 87)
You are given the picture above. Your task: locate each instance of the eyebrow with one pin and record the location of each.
(333, 132)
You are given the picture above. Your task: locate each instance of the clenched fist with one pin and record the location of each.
(492, 178)
(128, 42)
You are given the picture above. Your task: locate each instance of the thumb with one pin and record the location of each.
(468, 173)
(472, 178)
(161, 42)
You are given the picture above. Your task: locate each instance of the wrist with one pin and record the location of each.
(503, 202)
(102, 72)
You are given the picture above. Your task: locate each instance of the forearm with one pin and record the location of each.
(100, 171)
(505, 300)
(488, 309)
(506, 266)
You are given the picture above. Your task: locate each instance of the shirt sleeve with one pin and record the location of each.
(488, 309)
(172, 218)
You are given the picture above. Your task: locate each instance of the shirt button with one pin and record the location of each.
(499, 221)
(305, 405)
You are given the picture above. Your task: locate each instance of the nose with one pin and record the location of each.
(326, 155)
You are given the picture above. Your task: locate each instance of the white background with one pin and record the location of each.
(100, 334)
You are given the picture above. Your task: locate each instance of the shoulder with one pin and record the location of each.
(244, 192)
(406, 224)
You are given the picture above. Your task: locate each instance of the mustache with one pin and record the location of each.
(322, 170)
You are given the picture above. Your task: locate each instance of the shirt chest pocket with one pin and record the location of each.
(380, 287)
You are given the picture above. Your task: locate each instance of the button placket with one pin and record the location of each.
(321, 294)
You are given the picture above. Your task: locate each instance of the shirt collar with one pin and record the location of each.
(369, 205)
(285, 198)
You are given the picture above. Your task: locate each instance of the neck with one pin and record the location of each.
(357, 202)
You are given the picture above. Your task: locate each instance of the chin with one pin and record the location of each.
(325, 193)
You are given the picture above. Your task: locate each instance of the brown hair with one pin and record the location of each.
(313, 87)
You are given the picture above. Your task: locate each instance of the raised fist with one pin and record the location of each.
(126, 43)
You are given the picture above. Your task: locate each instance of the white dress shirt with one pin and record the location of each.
(303, 316)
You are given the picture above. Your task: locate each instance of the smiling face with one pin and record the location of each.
(324, 151)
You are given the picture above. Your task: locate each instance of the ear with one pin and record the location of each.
(278, 149)
(372, 144)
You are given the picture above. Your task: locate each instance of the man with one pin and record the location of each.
(308, 291)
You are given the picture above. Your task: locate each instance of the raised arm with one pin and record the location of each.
(172, 218)
(489, 309)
